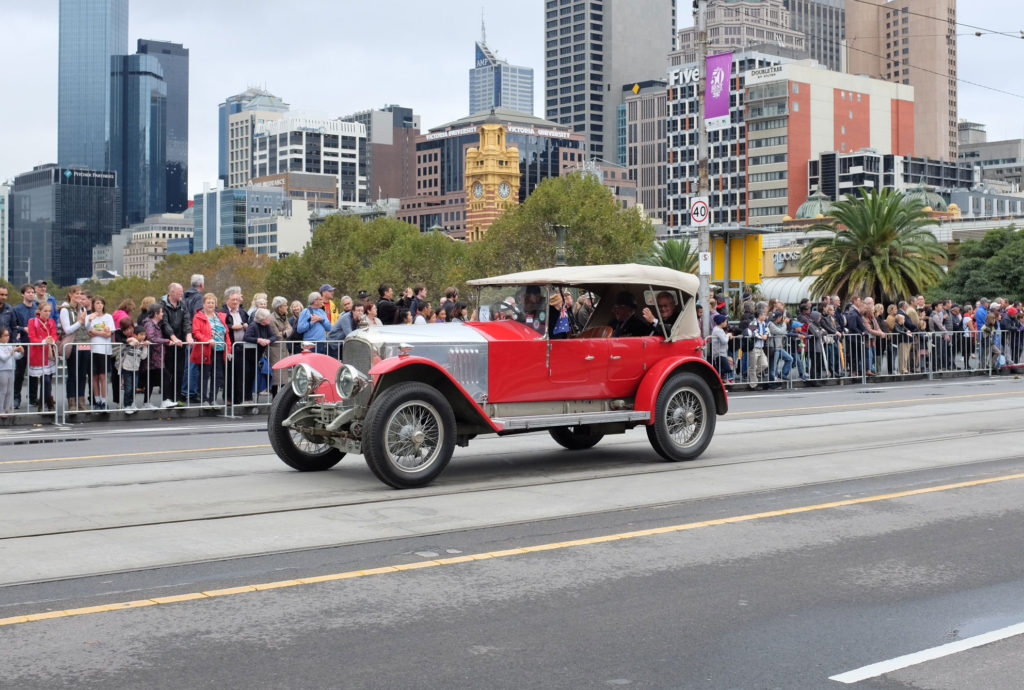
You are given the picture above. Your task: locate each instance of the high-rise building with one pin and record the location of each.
(316, 146)
(911, 42)
(736, 25)
(390, 150)
(173, 59)
(138, 117)
(646, 115)
(823, 24)
(58, 215)
(590, 50)
(220, 216)
(5, 231)
(91, 32)
(1000, 161)
(148, 244)
(493, 83)
(783, 114)
(261, 105)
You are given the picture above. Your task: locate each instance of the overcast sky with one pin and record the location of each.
(335, 57)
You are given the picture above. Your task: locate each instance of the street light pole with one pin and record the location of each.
(560, 245)
(700, 10)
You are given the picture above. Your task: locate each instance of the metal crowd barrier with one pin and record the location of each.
(855, 358)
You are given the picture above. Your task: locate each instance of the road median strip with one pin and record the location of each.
(455, 560)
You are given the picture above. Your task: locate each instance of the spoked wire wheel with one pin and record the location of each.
(413, 436)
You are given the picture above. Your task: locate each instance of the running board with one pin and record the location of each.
(571, 419)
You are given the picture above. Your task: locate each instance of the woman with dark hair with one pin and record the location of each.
(157, 342)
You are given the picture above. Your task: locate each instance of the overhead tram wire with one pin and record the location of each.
(838, 43)
(1019, 35)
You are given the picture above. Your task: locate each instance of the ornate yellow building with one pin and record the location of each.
(492, 180)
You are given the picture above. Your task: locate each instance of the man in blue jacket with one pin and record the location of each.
(313, 322)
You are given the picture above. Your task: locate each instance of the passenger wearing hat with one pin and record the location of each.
(41, 296)
(626, 322)
(330, 308)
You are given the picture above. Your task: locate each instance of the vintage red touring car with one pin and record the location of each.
(405, 395)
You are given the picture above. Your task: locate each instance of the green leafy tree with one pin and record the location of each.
(675, 254)
(599, 231)
(879, 246)
(988, 267)
(352, 256)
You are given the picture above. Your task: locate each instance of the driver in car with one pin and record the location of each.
(626, 322)
(668, 312)
(533, 314)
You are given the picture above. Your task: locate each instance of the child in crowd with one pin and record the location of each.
(8, 355)
(134, 349)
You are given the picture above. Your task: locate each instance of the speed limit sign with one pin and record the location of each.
(699, 214)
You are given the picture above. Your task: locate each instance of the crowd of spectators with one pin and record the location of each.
(829, 339)
(195, 347)
(200, 348)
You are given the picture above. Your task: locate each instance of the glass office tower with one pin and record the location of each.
(493, 83)
(58, 216)
(91, 31)
(138, 102)
(173, 58)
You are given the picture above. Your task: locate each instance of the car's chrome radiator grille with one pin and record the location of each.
(358, 353)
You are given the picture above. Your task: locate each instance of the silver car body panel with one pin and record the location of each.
(459, 349)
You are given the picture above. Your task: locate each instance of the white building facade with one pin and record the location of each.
(5, 231)
(314, 145)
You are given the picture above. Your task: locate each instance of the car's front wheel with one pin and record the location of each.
(409, 435)
(684, 418)
(298, 450)
(575, 437)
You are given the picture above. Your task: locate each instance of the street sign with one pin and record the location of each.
(699, 214)
(704, 261)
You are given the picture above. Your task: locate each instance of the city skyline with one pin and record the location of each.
(428, 77)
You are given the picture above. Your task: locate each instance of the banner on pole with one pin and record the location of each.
(718, 77)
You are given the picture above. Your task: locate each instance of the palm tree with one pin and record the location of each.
(675, 254)
(879, 246)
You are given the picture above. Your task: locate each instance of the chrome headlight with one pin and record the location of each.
(349, 381)
(302, 380)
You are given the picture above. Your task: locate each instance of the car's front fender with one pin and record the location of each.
(393, 370)
(647, 393)
(325, 366)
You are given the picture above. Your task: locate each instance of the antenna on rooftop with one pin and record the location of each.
(483, 27)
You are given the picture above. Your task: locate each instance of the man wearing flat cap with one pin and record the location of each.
(626, 322)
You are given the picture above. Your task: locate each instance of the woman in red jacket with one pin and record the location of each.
(209, 327)
(42, 354)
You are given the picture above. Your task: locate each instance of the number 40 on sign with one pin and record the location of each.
(699, 214)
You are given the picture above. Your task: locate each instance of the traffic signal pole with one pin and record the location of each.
(700, 8)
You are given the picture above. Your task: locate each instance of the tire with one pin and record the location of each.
(409, 435)
(296, 450)
(575, 437)
(675, 434)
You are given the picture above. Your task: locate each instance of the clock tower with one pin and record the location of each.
(492, 180)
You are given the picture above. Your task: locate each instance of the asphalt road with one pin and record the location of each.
(822, 532)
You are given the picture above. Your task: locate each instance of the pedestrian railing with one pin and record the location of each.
(78, 382)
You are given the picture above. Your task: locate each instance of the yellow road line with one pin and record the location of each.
(454, 560)
(879, 402)
(132, 455)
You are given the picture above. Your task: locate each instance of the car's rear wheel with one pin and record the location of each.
(298, 450)
(575, 437)
(409, 435)
(684, 418)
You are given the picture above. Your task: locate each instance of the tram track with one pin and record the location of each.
(570, 476)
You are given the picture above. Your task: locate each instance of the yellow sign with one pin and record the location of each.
(745, 259)
(636, 89)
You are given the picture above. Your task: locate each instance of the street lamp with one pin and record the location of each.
(560, 244)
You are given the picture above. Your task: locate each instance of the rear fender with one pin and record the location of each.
(395, 370)
(647, 393)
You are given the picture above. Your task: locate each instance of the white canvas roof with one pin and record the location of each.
(640, 275)
(615, 274)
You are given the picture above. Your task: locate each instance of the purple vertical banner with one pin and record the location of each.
(718, 78)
